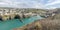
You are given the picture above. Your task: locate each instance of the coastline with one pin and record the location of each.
(30, 24)
(26, 24)
(43, 24)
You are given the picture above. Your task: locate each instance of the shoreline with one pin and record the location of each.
(26, 24)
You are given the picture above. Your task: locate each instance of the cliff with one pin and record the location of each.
(44, 24)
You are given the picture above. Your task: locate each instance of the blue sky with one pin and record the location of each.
(46, 4)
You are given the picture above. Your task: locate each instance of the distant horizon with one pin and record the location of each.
(32, 8)
(43, 4)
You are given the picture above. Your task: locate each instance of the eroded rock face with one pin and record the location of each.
(17, 17)
(1, 18)
(5, 17)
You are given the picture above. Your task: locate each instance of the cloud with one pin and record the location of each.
(49, 1)
(21, 3)
(46, 4)
(53, 4)
(2, 3)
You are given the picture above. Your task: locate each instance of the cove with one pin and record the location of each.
(15, 23)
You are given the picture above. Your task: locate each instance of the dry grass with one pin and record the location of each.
(50, 24)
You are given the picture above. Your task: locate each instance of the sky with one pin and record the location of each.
(45, 4)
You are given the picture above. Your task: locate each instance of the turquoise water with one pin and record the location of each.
(10, 24)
